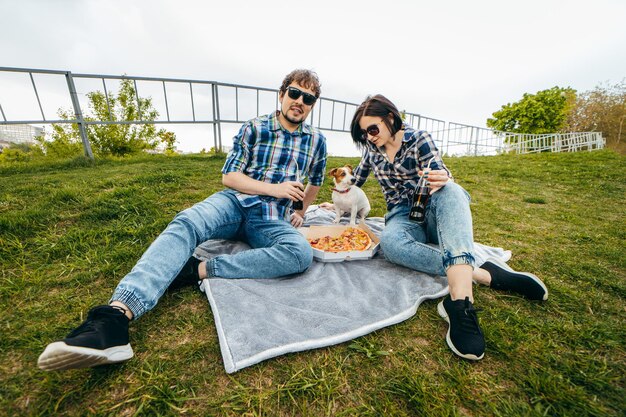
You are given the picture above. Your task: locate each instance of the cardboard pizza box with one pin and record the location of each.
(314, 232)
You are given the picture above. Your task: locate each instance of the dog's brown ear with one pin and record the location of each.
(332, 172)
(349, 167)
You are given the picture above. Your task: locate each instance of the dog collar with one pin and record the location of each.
(342, 192)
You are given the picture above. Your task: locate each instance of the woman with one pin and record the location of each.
(398, 155)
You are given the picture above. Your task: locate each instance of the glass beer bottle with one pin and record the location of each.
(420, 199)
(421, 195)
(297, 205)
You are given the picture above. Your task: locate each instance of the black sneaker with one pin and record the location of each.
(101, 339)
(464, 336)
(524, 283)
(188, 275)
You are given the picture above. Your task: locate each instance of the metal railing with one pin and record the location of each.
(553, 142)
(215, 103)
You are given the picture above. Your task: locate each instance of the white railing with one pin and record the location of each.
(215, 104)
(552, 142)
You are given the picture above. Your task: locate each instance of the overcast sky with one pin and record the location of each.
(454, 60)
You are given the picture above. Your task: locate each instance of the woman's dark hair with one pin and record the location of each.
(377, 105)
(305, 78)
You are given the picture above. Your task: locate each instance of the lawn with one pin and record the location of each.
(69, 231)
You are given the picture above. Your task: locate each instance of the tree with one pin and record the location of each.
(169, 141)
(602, 109)
(113, 139)
(543, 112)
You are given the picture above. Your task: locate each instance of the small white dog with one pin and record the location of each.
(347, 197)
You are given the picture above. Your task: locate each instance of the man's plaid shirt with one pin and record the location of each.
(265, 151)
(398, 178)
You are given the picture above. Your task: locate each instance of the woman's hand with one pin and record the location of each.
(327, 206)
(296, 219)
(435, 178)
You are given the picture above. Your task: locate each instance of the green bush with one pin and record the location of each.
(112, 139)
(19, 152)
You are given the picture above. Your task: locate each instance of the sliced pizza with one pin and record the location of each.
(352, 239)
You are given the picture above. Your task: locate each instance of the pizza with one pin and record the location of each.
(352, 239)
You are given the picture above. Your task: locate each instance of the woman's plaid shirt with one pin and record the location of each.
(398, 179)
(264, 151)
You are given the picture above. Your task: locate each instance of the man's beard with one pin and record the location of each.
(291, 120)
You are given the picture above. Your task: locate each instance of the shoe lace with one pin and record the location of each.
(85, 327)
(93, 322)
(469, 320)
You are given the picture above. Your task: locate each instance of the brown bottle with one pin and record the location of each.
(297, 205)
(420, 199)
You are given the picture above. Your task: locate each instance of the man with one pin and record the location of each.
(263, 172)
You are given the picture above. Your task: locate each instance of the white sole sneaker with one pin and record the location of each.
(60, 356)
(528, 274)
(442, 312)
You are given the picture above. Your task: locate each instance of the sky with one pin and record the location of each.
(453, 60)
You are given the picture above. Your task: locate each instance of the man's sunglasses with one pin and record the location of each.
(295, 93)
(371, 130)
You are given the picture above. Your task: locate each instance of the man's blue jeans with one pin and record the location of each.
(448, 224)
(278, 249)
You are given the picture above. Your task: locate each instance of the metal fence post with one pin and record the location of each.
(476, 144)
(446, 140)
(216, 119)
(79, 115)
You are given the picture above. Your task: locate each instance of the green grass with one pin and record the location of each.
(69, 231)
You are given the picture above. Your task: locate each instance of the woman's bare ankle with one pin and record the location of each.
(481, 276)
(124, 307)
(202, 270)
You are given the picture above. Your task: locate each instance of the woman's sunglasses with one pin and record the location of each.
(371, 130)
(295, 93)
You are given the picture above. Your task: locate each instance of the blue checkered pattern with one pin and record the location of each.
(398, 179)
(264, 151)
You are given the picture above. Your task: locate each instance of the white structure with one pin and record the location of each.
(20, 133)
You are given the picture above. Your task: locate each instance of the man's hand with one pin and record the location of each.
(436, 178)
(327, 206)
(296, 219)
(292, 190)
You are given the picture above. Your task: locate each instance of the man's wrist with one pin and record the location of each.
(267, 189)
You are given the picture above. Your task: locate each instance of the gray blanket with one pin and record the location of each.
(330, 303)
